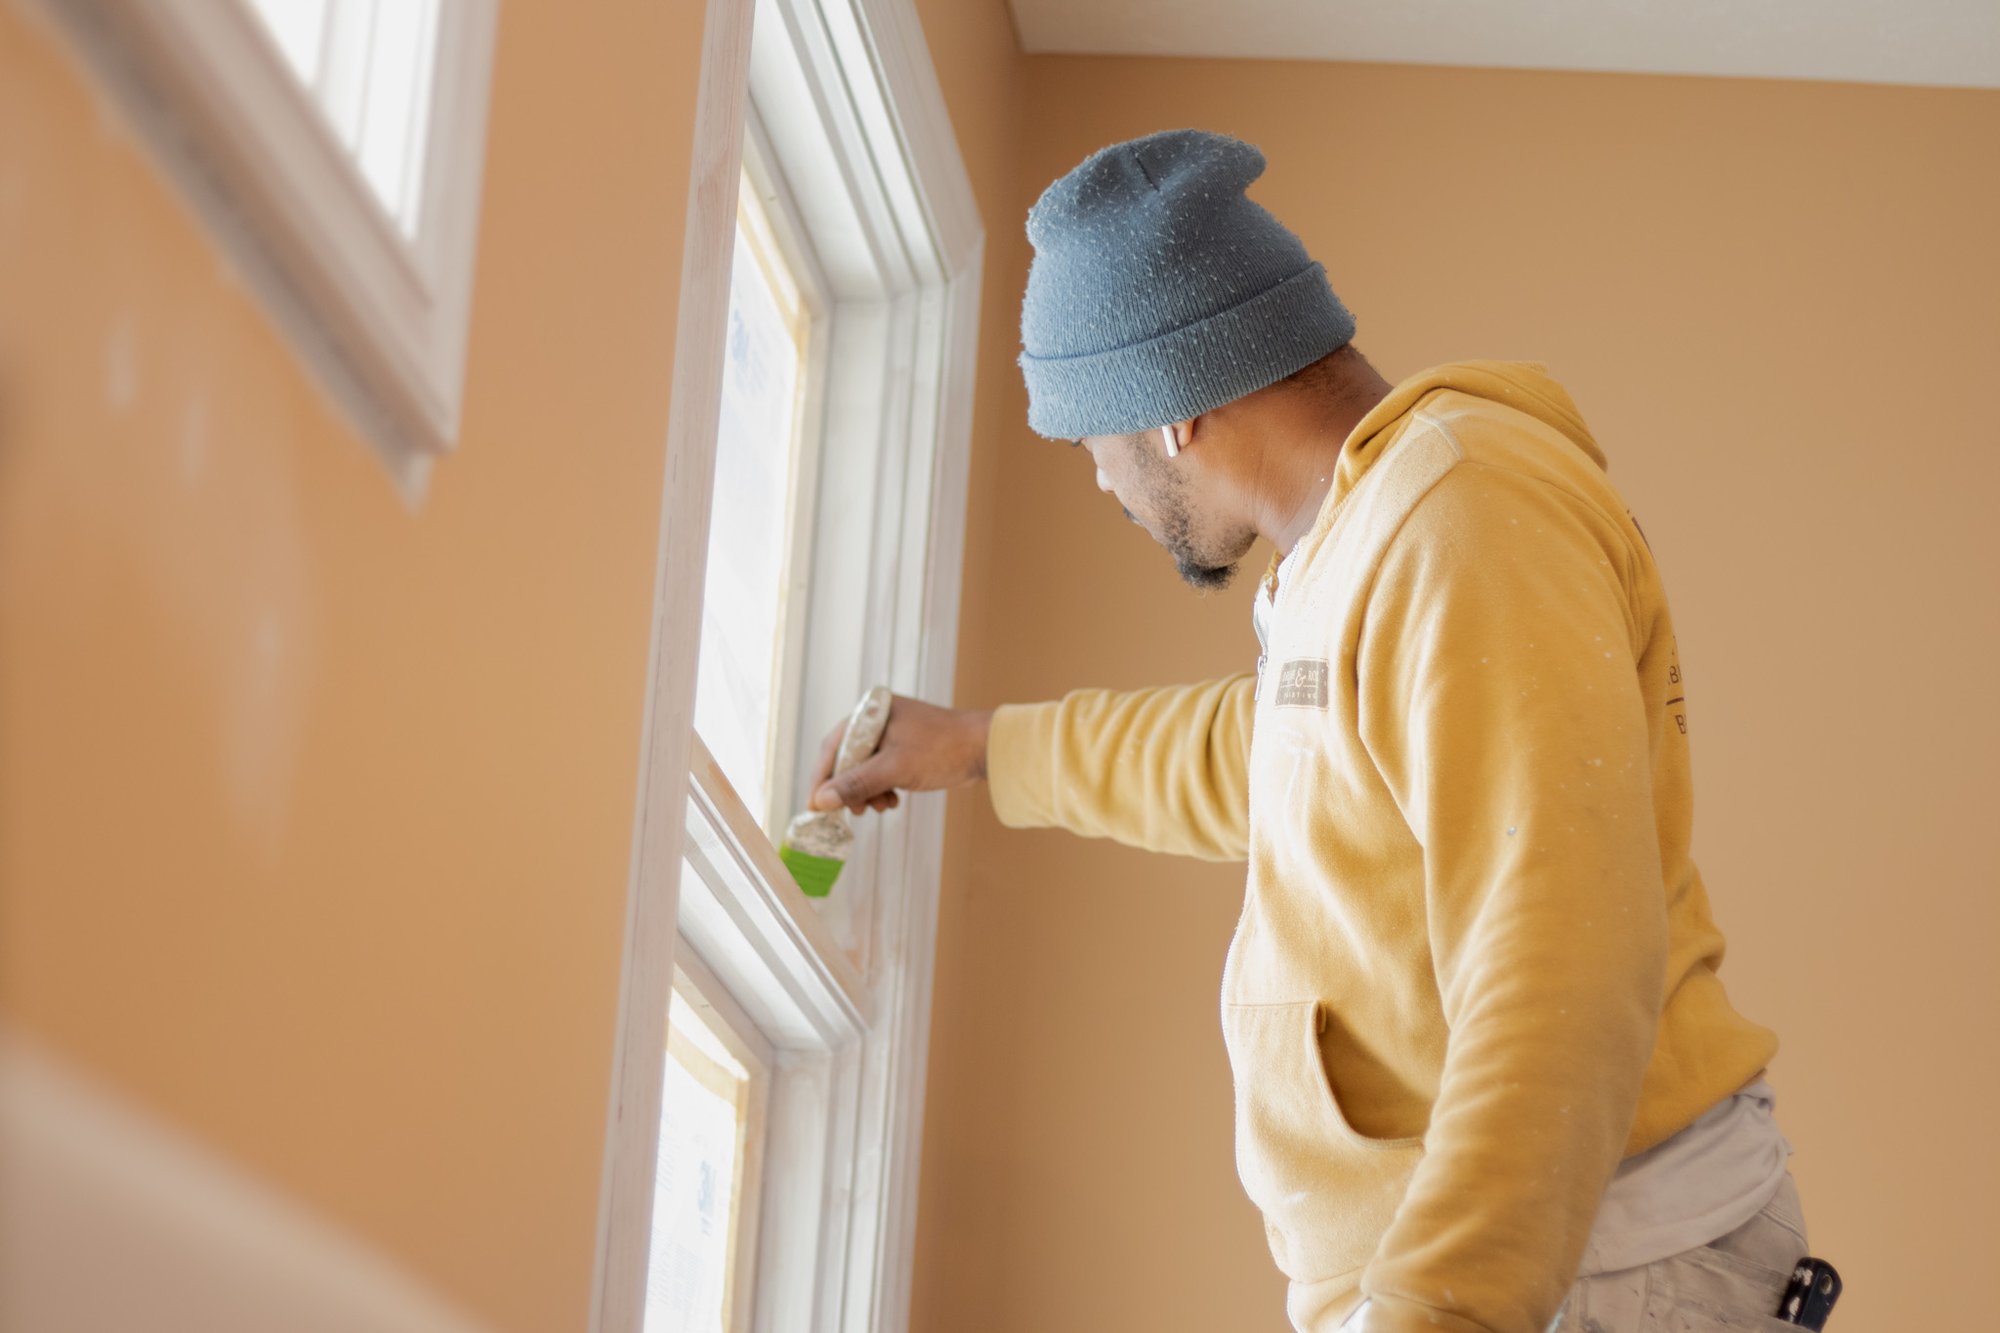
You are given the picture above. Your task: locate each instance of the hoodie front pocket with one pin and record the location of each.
(1327, 1191)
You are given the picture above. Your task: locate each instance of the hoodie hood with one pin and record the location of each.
(1525, 386)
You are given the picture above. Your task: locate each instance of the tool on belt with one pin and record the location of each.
(1810, 1296)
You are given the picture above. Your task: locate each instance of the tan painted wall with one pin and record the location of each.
(1779, 306)
(956, 1279)
(317, 813)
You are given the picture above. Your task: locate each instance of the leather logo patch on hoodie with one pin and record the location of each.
(1302, 683)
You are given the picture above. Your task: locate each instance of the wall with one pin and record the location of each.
(1778, 304)
(959, 1272)
(317, 813)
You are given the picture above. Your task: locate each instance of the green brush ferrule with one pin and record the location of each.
(815, 874)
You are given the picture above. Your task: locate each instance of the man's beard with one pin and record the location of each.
(1167, 497)
(1206, 578)
(1177, 535)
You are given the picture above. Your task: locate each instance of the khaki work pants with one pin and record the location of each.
(1732, 1283)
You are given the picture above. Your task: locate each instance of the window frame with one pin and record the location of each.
(695, 984)
(841, 986)
(379, 318)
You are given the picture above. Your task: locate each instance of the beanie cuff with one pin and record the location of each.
(1190, 370)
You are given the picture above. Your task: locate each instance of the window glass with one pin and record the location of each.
(749, 545)
(300, 27)
(370, 65)
(696, 1203)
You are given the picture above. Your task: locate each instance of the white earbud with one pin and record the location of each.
(1167, 435)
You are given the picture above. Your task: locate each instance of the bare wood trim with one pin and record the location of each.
(750, 1194)
(631, 1141)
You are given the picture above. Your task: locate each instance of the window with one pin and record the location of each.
(369, 65)
(334, 148)
(822, 394)
(758, 533)
(705, 1189)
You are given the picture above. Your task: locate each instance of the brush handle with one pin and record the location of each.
(826, 833)
(864, 729)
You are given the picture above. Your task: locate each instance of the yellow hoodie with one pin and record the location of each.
(1475, 967)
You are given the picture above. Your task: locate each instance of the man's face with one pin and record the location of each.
(1167, 498)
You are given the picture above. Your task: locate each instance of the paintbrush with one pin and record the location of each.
(816, 843)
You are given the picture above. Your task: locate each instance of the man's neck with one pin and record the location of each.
(1299, 460)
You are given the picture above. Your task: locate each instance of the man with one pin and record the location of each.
(1486, 1077)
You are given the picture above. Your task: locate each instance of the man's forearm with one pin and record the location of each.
(1166, 769)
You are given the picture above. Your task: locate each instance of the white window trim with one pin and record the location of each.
(845, 999)
(379, 318)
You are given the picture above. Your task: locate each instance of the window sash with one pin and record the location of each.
(841, 990)
(702, 992)
(379, 317)
(780, 255)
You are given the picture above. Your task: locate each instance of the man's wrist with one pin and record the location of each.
(982, 725)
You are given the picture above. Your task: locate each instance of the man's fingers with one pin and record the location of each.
(856, 787)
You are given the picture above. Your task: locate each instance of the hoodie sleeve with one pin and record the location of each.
(1500, 698)
(1165, 769)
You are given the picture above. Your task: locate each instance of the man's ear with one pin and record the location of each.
(1176, 436)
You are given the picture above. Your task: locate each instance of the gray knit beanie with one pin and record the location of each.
(1159, 290)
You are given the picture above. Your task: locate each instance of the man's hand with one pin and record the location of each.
(924, 748)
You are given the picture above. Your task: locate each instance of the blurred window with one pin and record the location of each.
(370, 65)
(334, 148)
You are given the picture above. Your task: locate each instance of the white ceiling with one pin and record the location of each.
(1950, 42)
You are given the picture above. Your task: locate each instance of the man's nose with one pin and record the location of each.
(1103, 482)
